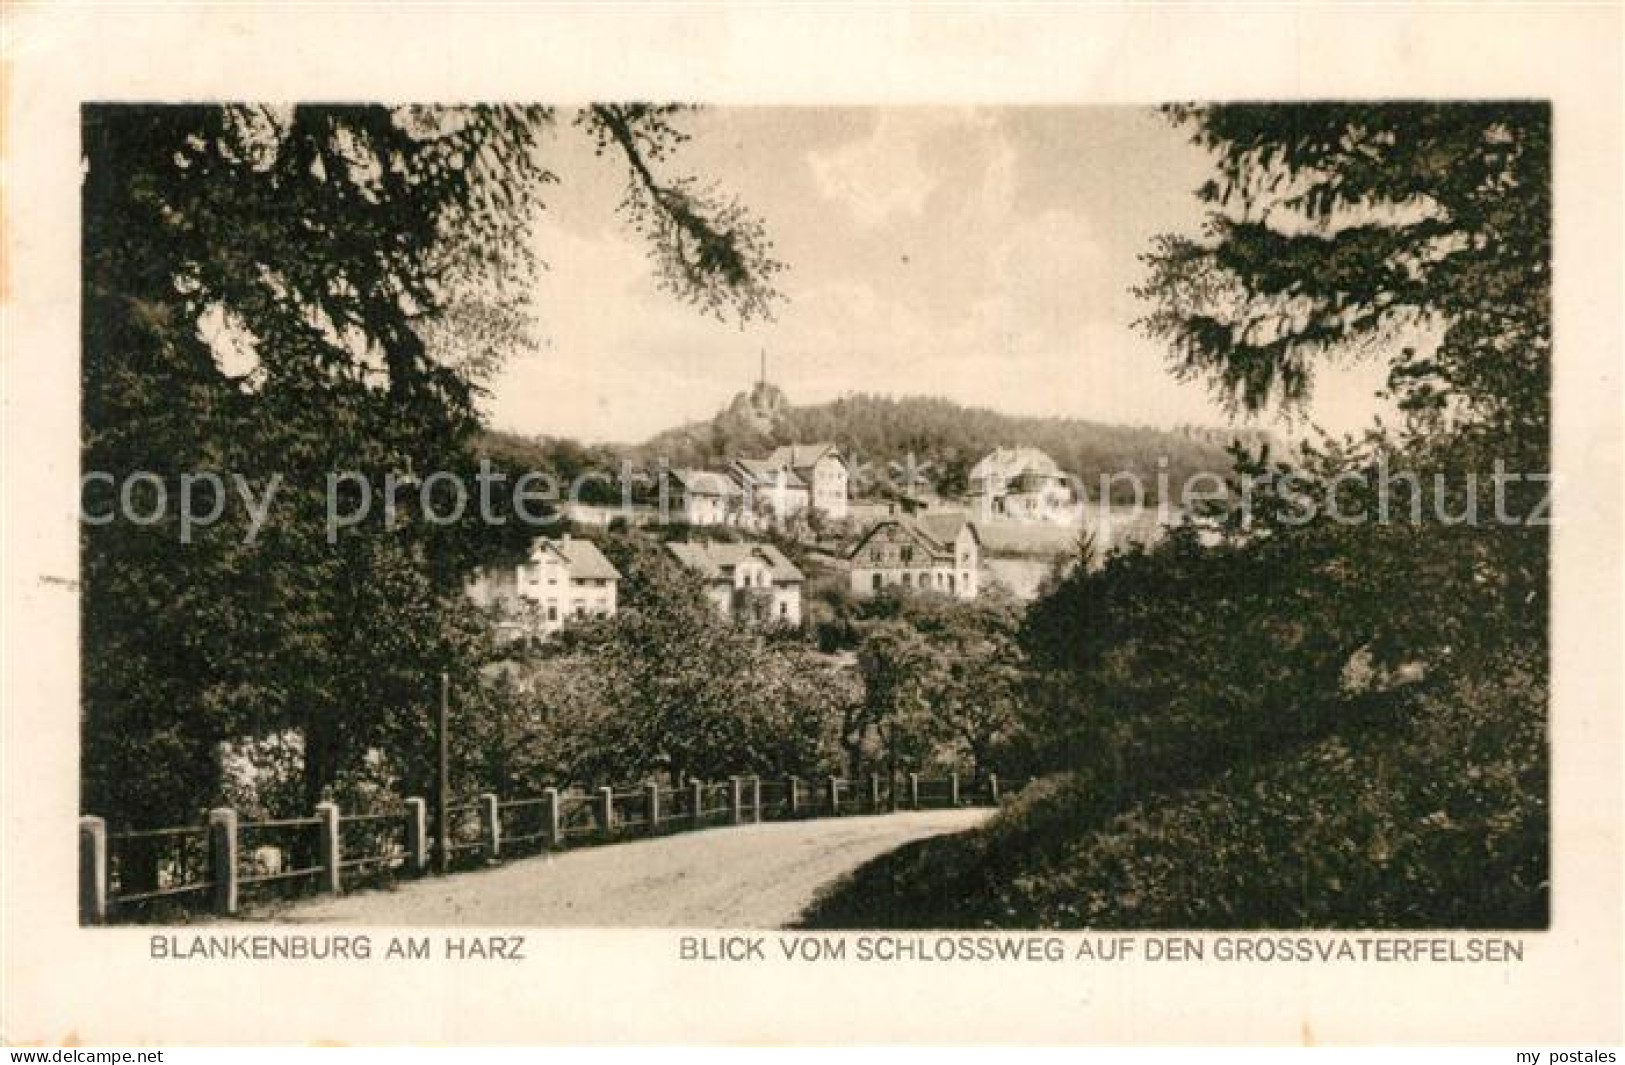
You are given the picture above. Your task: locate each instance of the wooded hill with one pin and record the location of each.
(945, 439)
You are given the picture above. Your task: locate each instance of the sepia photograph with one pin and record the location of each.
(648, 515)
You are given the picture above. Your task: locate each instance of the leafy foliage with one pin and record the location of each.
(943, 681)
(1336, 225)
(669, 687)
(708, 250)
(288, 294)
(1394, 828)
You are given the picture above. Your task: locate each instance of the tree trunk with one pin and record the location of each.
(321, 772)
(321, 762)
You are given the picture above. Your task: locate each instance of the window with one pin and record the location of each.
(784, 610)
(552, 610)
(876, 583)
(908, 580)
(578, 607)
(908, 554)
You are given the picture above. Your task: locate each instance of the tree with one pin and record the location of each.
(286, 293)
(893, 661)
(687, 692)
(977, 682)
(1273, 718)
(943, 682)
(1271, 639)
(1349, 230)
(1337, 225)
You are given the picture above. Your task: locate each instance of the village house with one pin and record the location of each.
(769, 493)
(935, 552)
(703, 497)
(750, 581)
(823, 470)
(604, 516)
(562, 580)
(1021, 483)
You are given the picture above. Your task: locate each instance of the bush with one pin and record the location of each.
(1440, 823)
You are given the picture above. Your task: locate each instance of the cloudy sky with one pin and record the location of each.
(984, 255)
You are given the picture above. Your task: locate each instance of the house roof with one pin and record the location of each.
(936, 531)
(1005, 463)
(705, 482)
(586, 562)
(800, 457)
(717, 561)
(766, 472)
(944, 526)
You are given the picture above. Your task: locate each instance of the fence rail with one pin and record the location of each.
(210, 865)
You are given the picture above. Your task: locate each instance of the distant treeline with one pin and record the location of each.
(945, 439)
(564, 459)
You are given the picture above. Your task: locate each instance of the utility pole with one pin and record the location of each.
(442, 800)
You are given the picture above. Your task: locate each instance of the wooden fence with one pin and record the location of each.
(211, 866)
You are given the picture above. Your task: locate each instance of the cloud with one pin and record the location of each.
(875, 178)
(894, 171)
(983, 255)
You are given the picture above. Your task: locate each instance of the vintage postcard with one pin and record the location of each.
(920, 524)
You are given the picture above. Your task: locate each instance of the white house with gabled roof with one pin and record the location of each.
(703, 497)
(822, 469)
(750, 581)
(1021, 483)
(561, 580)
(768, 492)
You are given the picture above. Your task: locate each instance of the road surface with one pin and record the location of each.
(753, 876)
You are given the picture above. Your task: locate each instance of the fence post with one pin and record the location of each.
(653, 791)
(606, 811)
(550, 817)
(874, 793)
(332, 854)
(442, 789)
(993, 787)
(223, 859)
(953, 789)
(491, 825)
(736, 799)
(756, 799)
(417, 836)
(92, 870)
(793, 790)
(834, 796)
(697, 788)
(914, 791)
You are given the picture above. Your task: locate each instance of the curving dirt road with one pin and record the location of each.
(754, 876)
